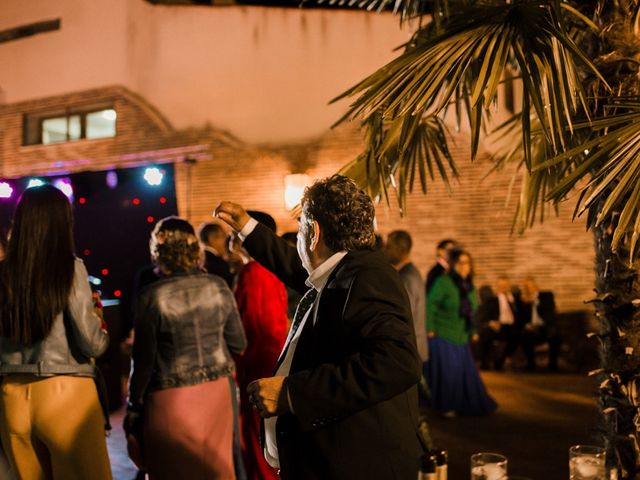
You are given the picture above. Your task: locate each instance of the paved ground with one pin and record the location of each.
(539, 417)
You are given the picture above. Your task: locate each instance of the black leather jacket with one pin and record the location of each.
(67, 350)
(185, 327)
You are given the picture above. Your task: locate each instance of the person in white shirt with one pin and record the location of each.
(500, 314)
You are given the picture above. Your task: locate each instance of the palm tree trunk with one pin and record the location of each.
(617, 302)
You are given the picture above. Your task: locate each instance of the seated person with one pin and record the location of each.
(500, 314)
(537, 320)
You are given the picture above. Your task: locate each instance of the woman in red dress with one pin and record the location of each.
(262, 301)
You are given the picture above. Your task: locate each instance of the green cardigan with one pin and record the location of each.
(443, 311)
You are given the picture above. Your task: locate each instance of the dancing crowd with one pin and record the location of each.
(255, 356)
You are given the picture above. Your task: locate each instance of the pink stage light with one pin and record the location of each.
(64, 185)
(112, 179)
(5, 190)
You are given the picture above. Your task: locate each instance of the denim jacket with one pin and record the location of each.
(70, 345)
(185, 328)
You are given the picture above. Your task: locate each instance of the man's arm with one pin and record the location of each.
(266, 247)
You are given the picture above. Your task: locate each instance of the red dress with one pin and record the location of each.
(262, 301)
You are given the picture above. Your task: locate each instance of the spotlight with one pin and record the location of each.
(153, 176)
(5, 190)
(64, 185)
(95, 280)
(35, 182)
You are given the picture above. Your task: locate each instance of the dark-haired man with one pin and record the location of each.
(398, 251)
(343, 402)
(442, 262)
(213, 238)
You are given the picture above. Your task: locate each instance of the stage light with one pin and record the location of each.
(82, 200)
(150, 219)
(112, 179)
(117, 293)
(95, 280)
(5, 190)
(64, 185)
(153, 176)
(35, 182)
(104, 271)
(163, 200)
(136, 201)
(86, 252)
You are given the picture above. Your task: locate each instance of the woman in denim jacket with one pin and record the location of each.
(179, 413)
(51, 422)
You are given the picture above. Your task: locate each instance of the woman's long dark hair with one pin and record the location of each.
(464, 285)
(36, 275)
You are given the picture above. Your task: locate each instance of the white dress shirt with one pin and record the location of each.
(536, 321)
(317, 279)
(506, 314)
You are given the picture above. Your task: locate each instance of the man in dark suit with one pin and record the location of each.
(537, 318)
(499, 316)
(213, 238)
(442, 262)
(343, 401)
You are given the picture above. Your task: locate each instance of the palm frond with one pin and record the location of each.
(464, 61)
(612, 158)
(534, 182)
(401, 151)
(406, 9)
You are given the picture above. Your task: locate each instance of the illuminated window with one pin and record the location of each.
(56, 127)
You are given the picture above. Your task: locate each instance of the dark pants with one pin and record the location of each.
(535, 336)
(508, 334)
(238, 461)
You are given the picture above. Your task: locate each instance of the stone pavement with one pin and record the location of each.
(539, 417)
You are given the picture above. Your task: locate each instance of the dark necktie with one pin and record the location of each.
(303, 307)
(305, 303)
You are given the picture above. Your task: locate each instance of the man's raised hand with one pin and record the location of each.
(232, 214)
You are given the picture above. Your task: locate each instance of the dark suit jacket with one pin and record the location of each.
(546, 310)
(436, 271)
(215, 265)
(353, 377)
(490, 310)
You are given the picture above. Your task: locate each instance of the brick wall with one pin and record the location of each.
(558, 253)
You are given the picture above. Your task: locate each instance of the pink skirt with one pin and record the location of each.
(188, 432)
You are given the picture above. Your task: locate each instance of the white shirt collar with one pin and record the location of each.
(318, 278)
